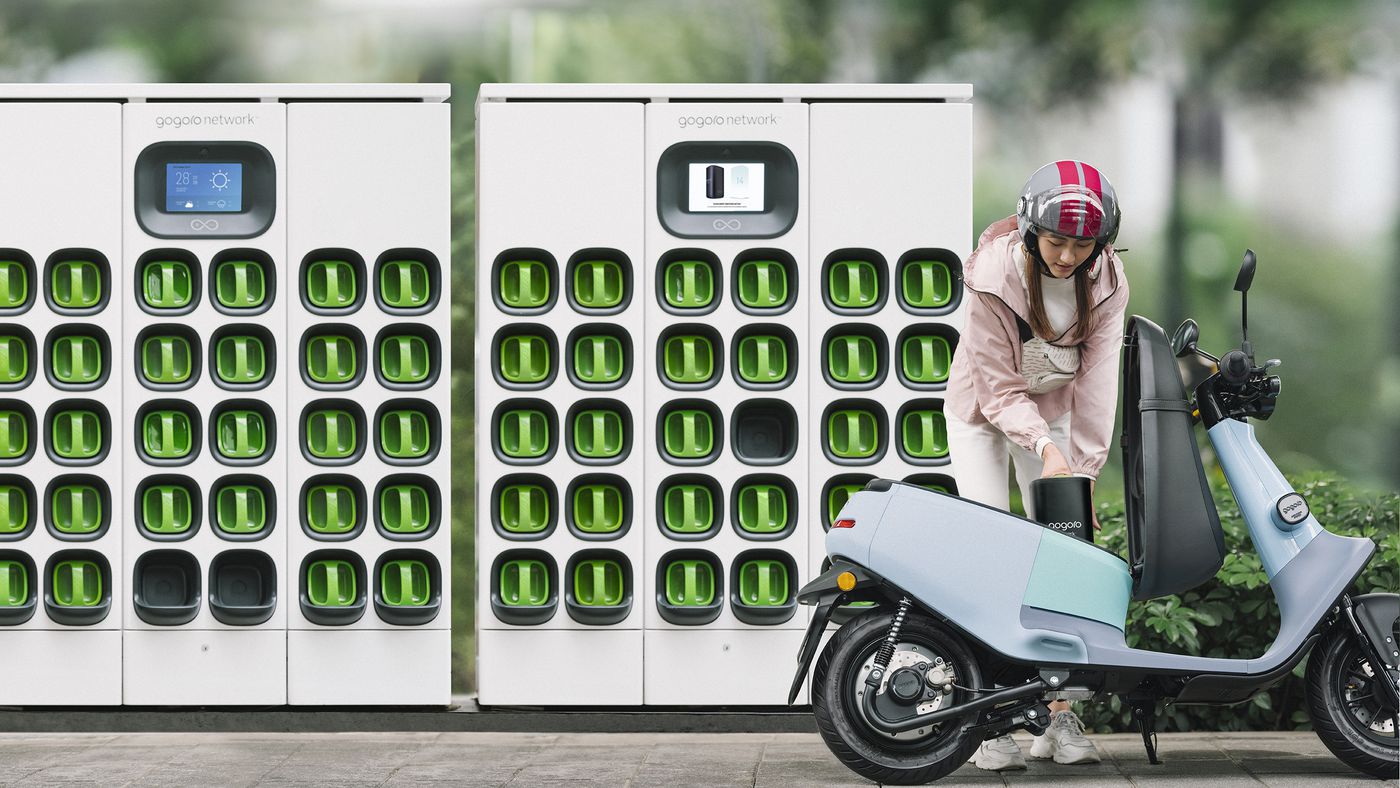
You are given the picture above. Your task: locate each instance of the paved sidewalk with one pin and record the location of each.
(615, 759)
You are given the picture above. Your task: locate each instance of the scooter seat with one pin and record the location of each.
(1174, 538)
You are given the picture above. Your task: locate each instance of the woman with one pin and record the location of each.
(1039, 351)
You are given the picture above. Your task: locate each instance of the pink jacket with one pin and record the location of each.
(986, 385)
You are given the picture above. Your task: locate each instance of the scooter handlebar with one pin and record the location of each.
(1235, 368)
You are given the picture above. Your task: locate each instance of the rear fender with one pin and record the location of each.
(827, 595)
(824, 588)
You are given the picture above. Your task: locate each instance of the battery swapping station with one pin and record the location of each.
(706, 314)
(223, 328)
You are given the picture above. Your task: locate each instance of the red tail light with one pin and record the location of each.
(844, 524)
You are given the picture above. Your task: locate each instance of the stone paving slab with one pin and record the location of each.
(671, 760)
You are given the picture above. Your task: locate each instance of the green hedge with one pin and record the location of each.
(1234, 616)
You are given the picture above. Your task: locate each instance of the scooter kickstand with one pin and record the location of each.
(1145, 713)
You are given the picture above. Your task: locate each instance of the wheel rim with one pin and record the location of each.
(908, 653)
(1359, 688)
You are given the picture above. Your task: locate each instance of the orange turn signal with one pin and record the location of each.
(845, 581)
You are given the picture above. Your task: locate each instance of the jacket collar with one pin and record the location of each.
(994, 268)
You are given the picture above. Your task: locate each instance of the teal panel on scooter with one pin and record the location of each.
(1073, 577)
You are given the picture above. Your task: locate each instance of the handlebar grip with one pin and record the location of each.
(1235, 368)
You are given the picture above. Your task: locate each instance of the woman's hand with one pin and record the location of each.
(1055, 464)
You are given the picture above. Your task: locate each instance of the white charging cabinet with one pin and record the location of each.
(701, 311)
(228, 364)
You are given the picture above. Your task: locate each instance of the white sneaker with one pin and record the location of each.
(1065, 741)
(999, 755)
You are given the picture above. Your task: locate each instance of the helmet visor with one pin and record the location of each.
(1072, 211)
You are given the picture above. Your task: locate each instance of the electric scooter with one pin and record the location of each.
(981, 617)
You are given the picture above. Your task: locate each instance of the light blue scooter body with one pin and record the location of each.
(1039, 596)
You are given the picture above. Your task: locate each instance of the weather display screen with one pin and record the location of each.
(203, 187)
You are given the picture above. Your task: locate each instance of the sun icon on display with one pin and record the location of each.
(219, 180)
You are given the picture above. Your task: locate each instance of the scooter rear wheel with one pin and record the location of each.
(869, 752)
(1345, 706)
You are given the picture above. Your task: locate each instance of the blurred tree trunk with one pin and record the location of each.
(1197, 158)
(1390, 366)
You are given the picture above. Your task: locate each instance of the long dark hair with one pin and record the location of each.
(1083, 310)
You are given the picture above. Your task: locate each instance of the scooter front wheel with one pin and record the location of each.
(912, 758)
(1347, 709)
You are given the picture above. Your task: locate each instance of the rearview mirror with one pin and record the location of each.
(1246, 275)
(1185, 338)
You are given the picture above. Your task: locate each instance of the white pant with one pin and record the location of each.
(979, 453)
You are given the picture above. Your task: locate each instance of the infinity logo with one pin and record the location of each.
(202, 224)
(727, 224)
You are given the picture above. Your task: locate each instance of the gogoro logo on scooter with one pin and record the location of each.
(1292, 508)
(701, 121)
(1074, 525)
(181, 121)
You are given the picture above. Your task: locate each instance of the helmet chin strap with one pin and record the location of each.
(1032, 245)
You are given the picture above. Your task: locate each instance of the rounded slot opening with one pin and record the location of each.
(689, 357)
(167, 507)
(855, 281)
(242, 587)
(764, 432)
(77, 282)
(689, 432)
(525, 281)
(854, 432)
(688, 282)
(333, 507)
(855, 357)
(524, 356)
(598, 507)
(165, 587)
(525, 506)
(524, 432)
(334, 432)
(168, 282)
(599, 281)
(599, 356)
(242, 282)
(333, 281)
(689, 506)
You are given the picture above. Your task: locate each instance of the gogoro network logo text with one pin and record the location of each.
(702, 121)
(182, 121)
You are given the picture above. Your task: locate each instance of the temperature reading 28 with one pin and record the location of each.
(203, 187)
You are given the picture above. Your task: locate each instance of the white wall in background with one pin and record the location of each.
(1330, 162)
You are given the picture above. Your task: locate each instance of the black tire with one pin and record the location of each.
(1335, 662)
(844, 727)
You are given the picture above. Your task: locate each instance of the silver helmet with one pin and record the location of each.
(1069, 198)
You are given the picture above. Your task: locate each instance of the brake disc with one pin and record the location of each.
(906, 655)
(1370, 715)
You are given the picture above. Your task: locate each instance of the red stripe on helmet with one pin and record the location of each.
(1069, 176)
(1092, 180)
(1093, 221)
